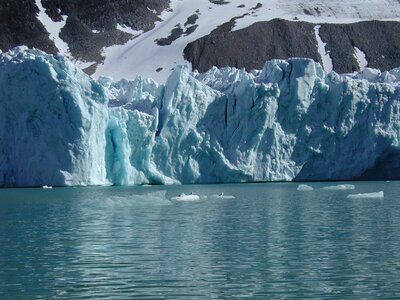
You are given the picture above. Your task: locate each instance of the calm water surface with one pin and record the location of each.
(271, 241)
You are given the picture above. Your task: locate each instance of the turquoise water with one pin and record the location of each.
(271, 241)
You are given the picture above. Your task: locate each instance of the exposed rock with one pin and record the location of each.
(20, 26)
(90, 26)
(175, 34)
(249, 47)
(379, 40)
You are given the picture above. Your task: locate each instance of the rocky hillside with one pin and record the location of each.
(89, 25)
(20, 26)
(251, 46)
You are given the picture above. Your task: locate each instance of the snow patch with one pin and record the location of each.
(326, 59)
(129, 30)
(361, 58)
(152, 10)
(53, 28)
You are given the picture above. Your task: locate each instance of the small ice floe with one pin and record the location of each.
(339, 187)
(366, 195)
(184, 197)
(304, 187)
(223, 196)
(47, 187)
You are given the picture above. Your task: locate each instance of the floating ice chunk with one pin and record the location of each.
(222, 196)
(366, 195)
(304, 187)
(184, 197)
(47, 187)
(339, 187)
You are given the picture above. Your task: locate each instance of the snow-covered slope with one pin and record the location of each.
(123, 39)
(289, 121)
(54, 29)
(142, 56)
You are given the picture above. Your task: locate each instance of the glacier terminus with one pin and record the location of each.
(289, 121)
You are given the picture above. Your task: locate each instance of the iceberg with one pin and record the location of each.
(289, 121)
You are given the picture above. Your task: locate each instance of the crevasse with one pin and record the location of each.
(289, 121)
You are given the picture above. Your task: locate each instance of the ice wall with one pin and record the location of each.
(289, 121)
(53, 120)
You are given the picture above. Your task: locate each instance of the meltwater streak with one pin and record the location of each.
(132, 242)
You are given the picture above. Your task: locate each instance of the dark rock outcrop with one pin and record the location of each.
(250, 47)
(20, 26)
(90, 26)
(379, 40)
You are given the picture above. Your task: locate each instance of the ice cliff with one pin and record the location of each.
(289, 121)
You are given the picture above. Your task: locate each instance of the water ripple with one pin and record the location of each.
(271, 241)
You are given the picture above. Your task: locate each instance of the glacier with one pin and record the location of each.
(289, 121)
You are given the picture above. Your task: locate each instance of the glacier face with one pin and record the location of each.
(51, 119)
(289, 121)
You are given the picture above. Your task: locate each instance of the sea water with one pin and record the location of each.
(269, 241)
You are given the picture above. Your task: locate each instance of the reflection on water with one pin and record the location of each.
(269, 241)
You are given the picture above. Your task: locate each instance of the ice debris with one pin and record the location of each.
(184, 197)
(366, 195)
(304, 187)
(222, 196)
(290, 121)
(339, 187)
